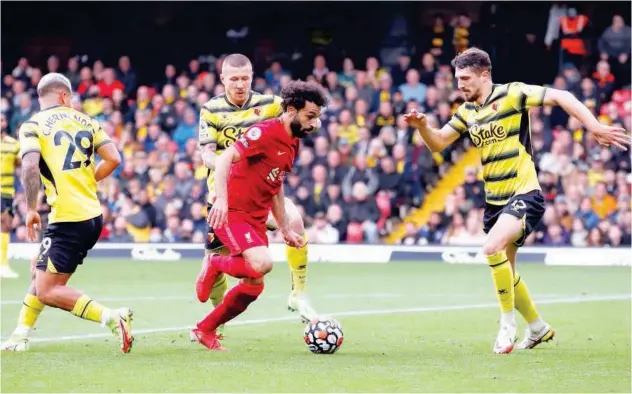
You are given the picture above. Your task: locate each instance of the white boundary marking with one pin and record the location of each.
(568, 300)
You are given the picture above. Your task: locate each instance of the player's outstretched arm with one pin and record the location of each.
(605, 135)
(435, 139)
(111, 159)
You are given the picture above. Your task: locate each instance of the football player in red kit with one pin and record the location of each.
(257, 164)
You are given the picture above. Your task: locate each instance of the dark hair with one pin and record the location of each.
(297, 93)
(475, 58)
(237, 60)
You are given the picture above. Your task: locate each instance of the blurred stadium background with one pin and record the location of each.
(144, 70)
(146, 76)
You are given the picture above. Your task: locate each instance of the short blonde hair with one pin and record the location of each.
(51, 82)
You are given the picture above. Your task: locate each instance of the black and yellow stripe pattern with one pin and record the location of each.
(66, 141)
(500, 129)
(9, 153)
(222, 122)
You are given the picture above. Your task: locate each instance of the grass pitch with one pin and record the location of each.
(408, 328)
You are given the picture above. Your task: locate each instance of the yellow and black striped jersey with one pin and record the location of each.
(66, 140)
(222, 123)
(10, 152)
(501, 131)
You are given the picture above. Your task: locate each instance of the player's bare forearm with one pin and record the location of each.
(278, 210)
(31, 178)
(209, 155)
(222, 168)
(434, 139)
(569, 103)
(111, 160)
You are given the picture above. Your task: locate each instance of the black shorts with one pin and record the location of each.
(7, 205)
(212, 241)
(66, 244)
(528, 207)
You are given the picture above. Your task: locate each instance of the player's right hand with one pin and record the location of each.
(218, 214)
(33, 224)
(293, 239)
(416, 119)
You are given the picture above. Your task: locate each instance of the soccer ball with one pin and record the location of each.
(323, 335)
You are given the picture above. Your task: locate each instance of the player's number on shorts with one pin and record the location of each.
(76, 143)
(46, 242)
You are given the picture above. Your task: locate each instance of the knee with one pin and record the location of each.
(493, 246)
(262, 265)
(45, 295)
(296, 224)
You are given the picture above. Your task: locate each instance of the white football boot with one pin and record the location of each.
(16, 343)
(534, 338)
(120, 323)
(506, 339)
(300, 302)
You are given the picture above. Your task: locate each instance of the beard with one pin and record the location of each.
(298, 130)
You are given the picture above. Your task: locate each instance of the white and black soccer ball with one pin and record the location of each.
(323, 335)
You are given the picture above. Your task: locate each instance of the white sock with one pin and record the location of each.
(22, 330)
(106, 317)
(508, 319)
(537, 325)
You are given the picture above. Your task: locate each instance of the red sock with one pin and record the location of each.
(235, 266)
(234, 304)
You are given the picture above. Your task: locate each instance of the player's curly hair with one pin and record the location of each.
(475, 58)
(296, 93)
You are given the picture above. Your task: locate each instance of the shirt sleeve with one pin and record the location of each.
(253, 142)
(276, 109)
(207, 132)
(527, 96)
(29, 138)
(100, 136)
(458, 122)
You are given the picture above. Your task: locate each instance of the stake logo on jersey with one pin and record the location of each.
(500, 131)
(223, 123)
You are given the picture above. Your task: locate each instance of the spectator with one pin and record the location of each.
(109, 83)
(364, 211)
(615, 40)
(23, 113)
(603, 204)
(186, 130)
(127, 75)
(413, 89)
(322, 232)
(120, 234)
(432, 232)
(359, 173)
(411, 235)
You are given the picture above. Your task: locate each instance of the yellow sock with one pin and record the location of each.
(503, 280)
(31, 309)
(297, 260)
(523, 301)
(219, 289)
(4, 247)
(88, 309)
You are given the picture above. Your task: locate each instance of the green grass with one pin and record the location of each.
(435, 349)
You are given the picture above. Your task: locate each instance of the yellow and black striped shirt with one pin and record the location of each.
(66, 140)
(10, 151)
(222, 122)
(501, 131)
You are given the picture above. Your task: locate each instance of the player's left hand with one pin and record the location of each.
(611, 135)
(33, 224)
(293, 239)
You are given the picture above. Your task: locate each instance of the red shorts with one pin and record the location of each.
(239, 236)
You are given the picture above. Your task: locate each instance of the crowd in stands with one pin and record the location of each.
(363, 171)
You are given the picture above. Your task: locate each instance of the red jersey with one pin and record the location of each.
(267, 154)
